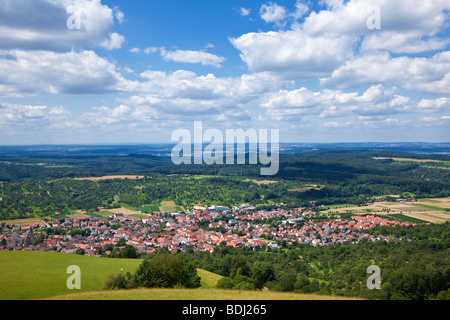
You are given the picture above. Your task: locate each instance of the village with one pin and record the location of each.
(197, 230)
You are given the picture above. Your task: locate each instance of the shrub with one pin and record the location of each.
(224, 283)
(166, 271)
(243, 282)
(119, 281)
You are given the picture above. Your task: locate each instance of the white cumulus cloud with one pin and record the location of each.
(58, 25)
(192, 56)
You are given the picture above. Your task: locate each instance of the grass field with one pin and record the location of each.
(170, 206)
(29, 275)
(262, 182)
(401, 217)
(122, 177)
(32, 275)
(408, 160)
(124, 211)
(23, 222)
(425, 206)
(196, 294)
(149, 209)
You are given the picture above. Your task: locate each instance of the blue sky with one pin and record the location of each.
(116, 71)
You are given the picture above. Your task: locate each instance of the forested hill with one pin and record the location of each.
(346, 174)
(338, 177)
(77, 166)
(334, 166)
(325, 166)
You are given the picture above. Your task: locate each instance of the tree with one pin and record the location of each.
(108, 247)
(242, 282)
(224, 283)
(129, 252)
(122, 242)
(262, 274)
(303, 284)
(166, 271)
(239, 264)
(443, 295)
(315, 286)
(225, 266)
(287, 281)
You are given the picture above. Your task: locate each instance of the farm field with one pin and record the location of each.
(170, 206)
(406, 218)
(23, 222)
(262, 182)
(122, 177)
(28, 221)
(437, 202)
(428, 210)
(144, 210)
(124, 211)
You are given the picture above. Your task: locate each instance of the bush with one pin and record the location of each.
(224, 283)
(128, 252)
(166, 271)
(243, 282)
(443, 295)
(119, 281)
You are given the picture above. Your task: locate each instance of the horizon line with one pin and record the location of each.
(173, 143)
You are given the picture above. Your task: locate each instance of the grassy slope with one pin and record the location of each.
(194, 294)
(42, 275)
(34, 275)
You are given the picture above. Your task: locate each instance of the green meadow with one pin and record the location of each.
(34, 275)
(196, 294)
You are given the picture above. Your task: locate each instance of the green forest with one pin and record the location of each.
(38, 187)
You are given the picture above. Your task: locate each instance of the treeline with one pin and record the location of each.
(411, 270)
(48, 168)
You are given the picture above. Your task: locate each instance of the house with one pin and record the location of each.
(51, 243)
(118, 215)
(14, 241)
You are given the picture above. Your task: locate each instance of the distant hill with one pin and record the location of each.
(352, 177)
